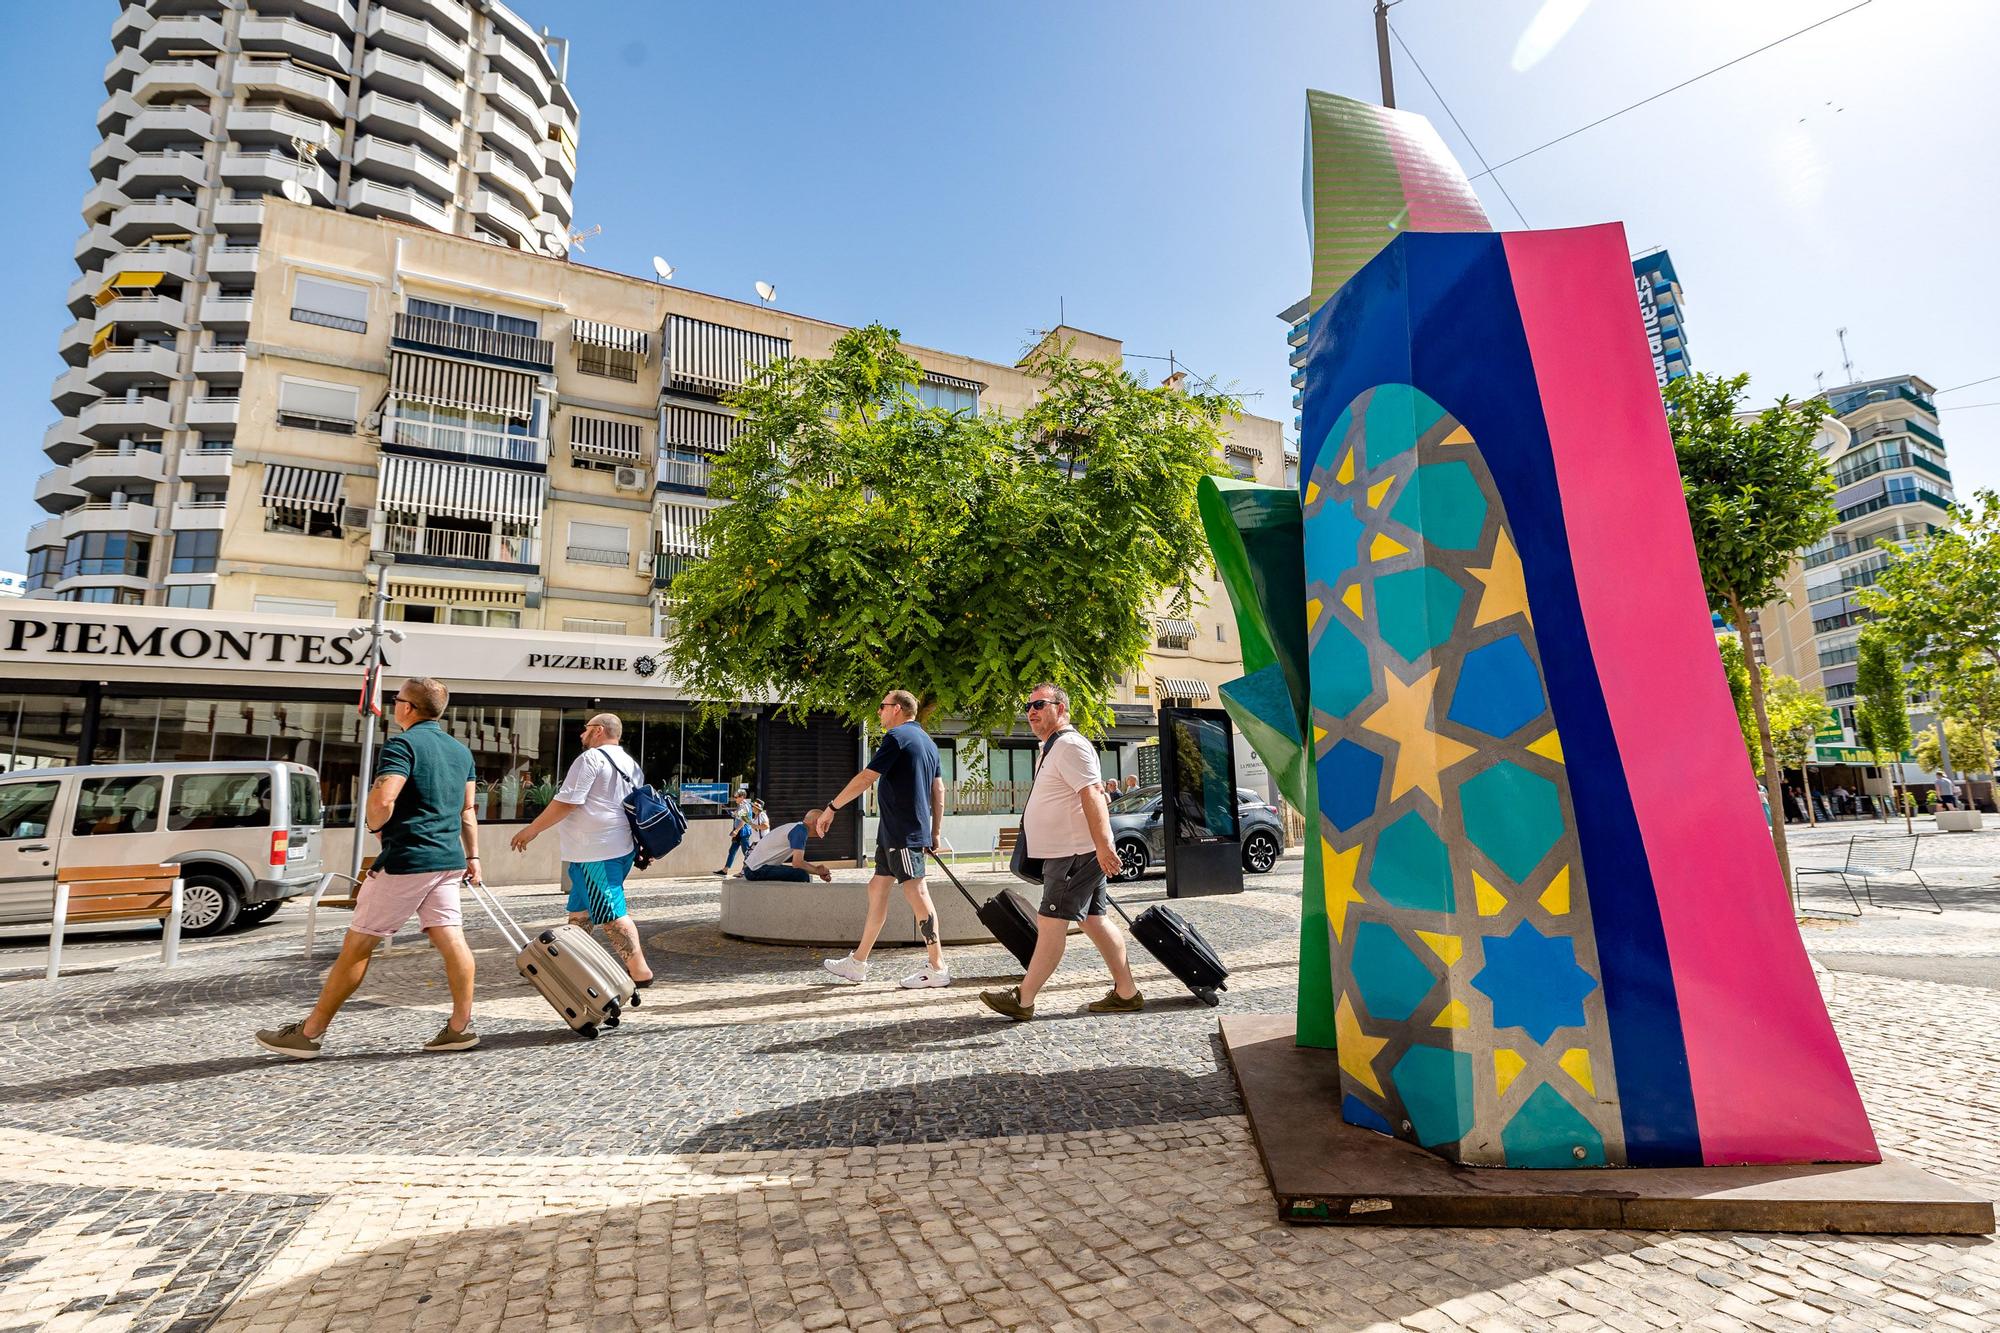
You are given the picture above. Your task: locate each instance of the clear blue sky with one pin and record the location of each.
(955, 170)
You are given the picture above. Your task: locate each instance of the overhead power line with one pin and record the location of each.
(1460, 128)
(1969, 383)
(1664, 91)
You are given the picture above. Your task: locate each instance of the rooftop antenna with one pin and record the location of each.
(577, 238)
(1819, 382)
(1846, 361)
(307, 152)
(662, 269)
(766, 292)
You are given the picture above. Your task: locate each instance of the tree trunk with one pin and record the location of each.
(1772, 791)
(1805, 784)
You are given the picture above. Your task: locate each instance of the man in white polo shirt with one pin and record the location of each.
(595, 837)
(1067, 827)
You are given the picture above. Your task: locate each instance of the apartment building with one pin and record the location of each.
(1659, 289)
(445, 114)
(1888, 462)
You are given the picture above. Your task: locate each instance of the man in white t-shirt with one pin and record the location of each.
(595, 837)
(781, 854)
(1067, 827)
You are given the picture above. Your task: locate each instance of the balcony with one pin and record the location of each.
(72, 390)
(503, 93)
(379, 111)
(94, 246)
(684, 471)
(267, 170)
(64, 440)
(110, 516)
(227, 361)
(667, 565)
(48, 532)
(299, 40)
(148, 174)
(502, 216)
(152, 314)
(374, 199)
(163, 126)
(411, 544)
(57, 492)
(321, 93)
(213, 412)
(115, 113)
(100, 200)
(403, 165)
(233, 261)
(129, 26)
(239, 216)
(463, 441)
(110, 467)
(200, 464)
(414, 80)
(498, 173)
(416, 39)
(173, 78)
(115, 369)
(181, 34)
(559, 161)
(556, 200)
(423, 333)
(226, 311)
(524, 145)
(332, 15)
(107, 157)
(121, 69)
(195, 515)
(112, 418)
(136, 223)
(74, 343)
(273, 126)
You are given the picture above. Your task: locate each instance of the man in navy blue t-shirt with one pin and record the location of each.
(910, 795)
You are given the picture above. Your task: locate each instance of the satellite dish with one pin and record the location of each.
(766, 293)
(295, 192)
(556, 246)
(662, 269)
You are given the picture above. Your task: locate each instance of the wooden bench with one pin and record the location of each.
(324, 896)
(1003, 848)
(1872, 858)
(87, 895)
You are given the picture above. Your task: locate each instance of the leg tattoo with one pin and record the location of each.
(928, 927)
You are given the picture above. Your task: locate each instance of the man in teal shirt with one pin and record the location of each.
(421, 805)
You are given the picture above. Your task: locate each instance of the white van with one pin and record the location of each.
(247, 835)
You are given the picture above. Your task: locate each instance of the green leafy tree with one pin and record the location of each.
(1965, 742)
(1797, 710)
(1970, 696)
(1739, 691)
(1757, 493)
(871, 543)
(1881, 712)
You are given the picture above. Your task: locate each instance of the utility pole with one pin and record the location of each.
(371, 690)
(1382, 52)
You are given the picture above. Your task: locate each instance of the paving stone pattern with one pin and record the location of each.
(757, 1149)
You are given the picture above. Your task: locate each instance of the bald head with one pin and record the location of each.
(608, 726)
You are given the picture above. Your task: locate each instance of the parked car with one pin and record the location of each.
(1140, 834)
(246, 835)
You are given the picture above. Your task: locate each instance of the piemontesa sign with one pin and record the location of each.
(190, 643)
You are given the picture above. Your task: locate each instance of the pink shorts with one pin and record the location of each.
(385, 902)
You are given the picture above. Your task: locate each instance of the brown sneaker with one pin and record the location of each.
(1008, 1002)
(291, 1039)
(448, 1039)
(1114, 1003)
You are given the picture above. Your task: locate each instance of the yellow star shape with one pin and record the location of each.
(1421, 754)
(1338, 869)
(1356, 1048)
(1506, 587)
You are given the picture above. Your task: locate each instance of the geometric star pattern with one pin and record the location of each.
(1468, 1011)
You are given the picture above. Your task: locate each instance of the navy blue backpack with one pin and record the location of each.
(657, 823)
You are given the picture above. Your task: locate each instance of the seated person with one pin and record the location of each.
(781, 854)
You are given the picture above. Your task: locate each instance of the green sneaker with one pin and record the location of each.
(1114, 1003)
(453, 1039)
(1008, 1002)
(291, 1039)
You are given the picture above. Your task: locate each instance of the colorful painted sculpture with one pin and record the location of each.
(1545, 925)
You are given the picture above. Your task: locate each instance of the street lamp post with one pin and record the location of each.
(371, 688)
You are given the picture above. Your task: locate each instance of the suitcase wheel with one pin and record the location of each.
(635, 999)
(1208, 996)
(611, 1020)
(588, 1032)
(547, 937)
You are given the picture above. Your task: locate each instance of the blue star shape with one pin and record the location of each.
(1534, 982)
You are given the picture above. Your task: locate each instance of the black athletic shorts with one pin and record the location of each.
(899, 863)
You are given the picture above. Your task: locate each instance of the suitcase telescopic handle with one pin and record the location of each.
(489, 902)
(954, 881)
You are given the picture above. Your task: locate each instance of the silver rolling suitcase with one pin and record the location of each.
(575, 974)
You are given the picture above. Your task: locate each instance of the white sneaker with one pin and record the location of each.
(848, 969)
(928, 977)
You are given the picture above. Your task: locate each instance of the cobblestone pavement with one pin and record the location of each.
(755, 1148)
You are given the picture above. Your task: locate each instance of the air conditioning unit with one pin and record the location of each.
(354, 517)
(630, 479)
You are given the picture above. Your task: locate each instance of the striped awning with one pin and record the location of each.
(455, 594)
(1167, 687)
(1183, 630)
(442, 382)
(1244, 451)
(129, 282)
(459, 490)
(602, 437)
(710, 358)
(953, 381)
(698, 428)
(679, 528)
(592, 333)
(301, 487)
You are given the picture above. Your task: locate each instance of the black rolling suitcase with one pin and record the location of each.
(1180, 949)
(1005, 914)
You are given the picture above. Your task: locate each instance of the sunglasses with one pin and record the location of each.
(1036, 705)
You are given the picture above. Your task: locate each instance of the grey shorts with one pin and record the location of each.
(901, 864)
(1073, 888)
